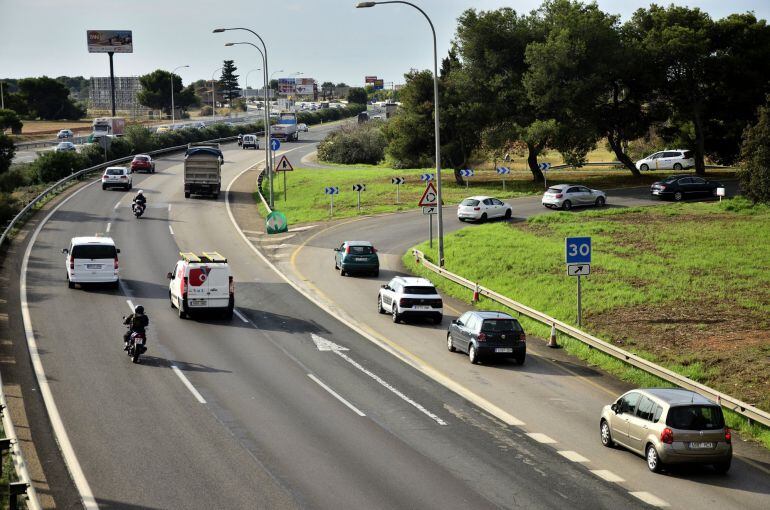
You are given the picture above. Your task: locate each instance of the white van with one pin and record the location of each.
(91, 260)
(250, 141)
(201, 282)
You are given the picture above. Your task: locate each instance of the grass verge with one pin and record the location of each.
(686, 286)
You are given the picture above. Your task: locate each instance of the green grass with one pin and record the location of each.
(306, 201)
(684, 285)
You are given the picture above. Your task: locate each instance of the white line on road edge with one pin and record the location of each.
(107, 230)
(650, 499)
(171, 230)
(573, 456)
(336, 395)
(169, 207)
(301, 229)
(70, 459)
(117, 205)
(541, 438)
(189, 385)
(130, 305)
(608, 476)
(240, 315)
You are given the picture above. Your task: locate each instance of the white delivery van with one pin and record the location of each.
(250, 141)
(201, 282)
(91, 260)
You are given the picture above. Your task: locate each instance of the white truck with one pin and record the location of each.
(108, 126)
(286, 129)
(202, 169)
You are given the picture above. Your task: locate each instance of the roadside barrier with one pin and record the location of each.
(747, 410)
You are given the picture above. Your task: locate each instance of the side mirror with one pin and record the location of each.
(615, 408)
(117, 251)
(336, 249)
(169, 275)
(65, 251)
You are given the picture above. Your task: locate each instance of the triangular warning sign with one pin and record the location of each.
(429, 197)
(283, 165)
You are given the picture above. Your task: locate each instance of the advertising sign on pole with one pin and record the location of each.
(370, 79)
(286, 86)
(110, 41)
(379, 84)
(304, 86)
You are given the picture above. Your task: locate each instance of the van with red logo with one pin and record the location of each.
(201, 282)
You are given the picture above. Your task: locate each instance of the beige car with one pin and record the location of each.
(668, 426)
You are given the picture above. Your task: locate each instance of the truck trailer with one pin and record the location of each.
(202, 169)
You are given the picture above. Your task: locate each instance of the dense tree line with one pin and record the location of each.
(568, 75)
(45, 98)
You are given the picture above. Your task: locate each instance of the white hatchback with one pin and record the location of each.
(117, 177)
(91, 260)
(482, 208)
(409, 296)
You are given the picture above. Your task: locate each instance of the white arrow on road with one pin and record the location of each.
(327, 345)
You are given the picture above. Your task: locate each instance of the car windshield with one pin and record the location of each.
(422, 290)
(360, 250)
(114, 171)
(500, 325)
(670, 179)
(470, 202)
(695, 417)
(93, 251)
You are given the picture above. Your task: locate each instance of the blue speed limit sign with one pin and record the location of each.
(578, 250)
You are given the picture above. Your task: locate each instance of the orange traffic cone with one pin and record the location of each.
(552, 341)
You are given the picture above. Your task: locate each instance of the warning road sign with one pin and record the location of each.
(429, 197)
(284, 165)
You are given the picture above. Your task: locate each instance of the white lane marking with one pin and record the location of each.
(650, 499)
(541, 438)
(409, 359)
(301, 229)
(336, 395)
(117, 205)
(189, 385)
(274, 237)
(240, 315)
(130, 304)
(573, 456)
(62, 438)
(277, 246)
(107, 230)
(608, 476)
(169, 207)
(171, 230)
(253, 232)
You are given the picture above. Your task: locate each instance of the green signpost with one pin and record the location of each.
(276, 223)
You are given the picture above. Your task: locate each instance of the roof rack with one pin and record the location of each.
(206, 256)
(213, 256)
(189, 256)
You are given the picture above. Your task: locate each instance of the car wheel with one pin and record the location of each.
(449, 345)
(395, 314)
(187, 194)
(180, 311)
(677, 166)
(170, 300)
(520, 359)
(600, 202)
(508, 214)
(722, 467)
(653, 460)
(678, 196)
(376, 273)
(438, 318)
(104, 187)
(483, 217)
(644, 167)
(606, 434)
(714, 192)
(69, 283)
(566, 205)
(342, 271)
(473, 356)
(380, 309)
(335, 265)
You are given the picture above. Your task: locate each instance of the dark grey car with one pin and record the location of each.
(487, 335)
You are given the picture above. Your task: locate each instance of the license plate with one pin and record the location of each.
(197, 302)
(504, 349)
(655, 192)
(701, 446)
(93, 266)
(421, 307)
(361, 259)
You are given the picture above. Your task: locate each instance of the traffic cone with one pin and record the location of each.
(552, 341)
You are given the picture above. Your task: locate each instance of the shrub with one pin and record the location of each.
(7, 151)
(205, 111)
(14, 178)
(52, 166)
(356, 144)
(139, 137)
(119, 148)
(9, 207)
(93, 154)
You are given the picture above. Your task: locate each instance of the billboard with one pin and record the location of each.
(110, 41)
(304, 86)
(286, 86)
(379, 84)
(370, 79)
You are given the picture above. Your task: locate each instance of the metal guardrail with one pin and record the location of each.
(732, 403)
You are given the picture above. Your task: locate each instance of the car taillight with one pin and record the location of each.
(728, 435)
(523, 337)
(662, 186)
(404, 302)
(559, 195)
(72, 262)
(347, 249)
(374, 250)
(232, 286)
(477, 208)
(667, 436)
(184, 287)
(482, 337)
(115, 264)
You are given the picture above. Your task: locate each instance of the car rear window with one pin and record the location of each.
(141, 158)
(670, 179)
(554, 190)
(421, 290)
(687, 154)
(360, 250)
(695, 417)
(470, 202)
(500, 325)
(93, 251)
(114, 171)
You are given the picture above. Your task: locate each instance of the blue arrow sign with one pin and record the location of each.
(332, 190)
(503, 170)
(578, 250)
(544, 166)
(426, 177)
(466, 172)
(275, 144)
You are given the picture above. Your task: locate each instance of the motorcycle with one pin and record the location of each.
(136, 345)
(240, 140)
(137, 208)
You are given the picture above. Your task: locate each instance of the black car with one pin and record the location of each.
(487, 335)
(680, 187)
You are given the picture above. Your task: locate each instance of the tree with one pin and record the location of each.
(327, 89)
(410, 133)
(342, 84)
(9, 119)
(156, 91)
(48, 99)
(7, 151)
(228, 82)
(755, 152)
(357, 95)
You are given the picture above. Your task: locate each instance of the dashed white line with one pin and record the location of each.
(301, 229)
(107, 230)
(608, 476)
(650, 499)
(336, 395)
(130, 305)
(169, 207)
(280, 238)
(171, 230)
(117, 205)
(276, 246)
(541, 438)
(189, 385)
(240, 315)
(252, 232)
(573, 456)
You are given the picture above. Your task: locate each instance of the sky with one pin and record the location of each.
(329, 40)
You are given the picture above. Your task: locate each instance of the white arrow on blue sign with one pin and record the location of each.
(578, 250)
(275, 144)
(359, 187)
(544, 166)
(503, 170)
(467, 172)
(332, 190)
(426, 177)
(398, 180)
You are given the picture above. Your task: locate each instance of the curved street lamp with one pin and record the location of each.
(213, 96)
(172, 94)
(362, 5)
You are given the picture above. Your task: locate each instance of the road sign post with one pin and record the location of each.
(544, 168)
(503, 170)
(398, 181)
(578, 254)
(429, 200)
(359, 188)
(331, 191)
(284, 166)
(467, 172)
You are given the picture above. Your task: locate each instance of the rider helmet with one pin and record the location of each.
(139, 309)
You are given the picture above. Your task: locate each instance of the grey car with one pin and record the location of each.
(65, 147)
(567, 196)
(668, 426)
(485, 335)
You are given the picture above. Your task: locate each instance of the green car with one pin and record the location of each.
(356, 256)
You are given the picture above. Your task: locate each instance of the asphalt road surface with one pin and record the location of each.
(283, 406)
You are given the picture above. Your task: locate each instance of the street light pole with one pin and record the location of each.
(213, 95)
(439, 202)
(267, 104)
(172, 94)
(247, 77)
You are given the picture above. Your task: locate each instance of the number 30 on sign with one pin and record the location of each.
(578, 250)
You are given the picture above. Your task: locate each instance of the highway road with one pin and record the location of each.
(284, 406)
(557, 399)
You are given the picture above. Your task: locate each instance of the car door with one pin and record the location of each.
(499, 208)
(456, 330)
(685, 186)
(620, 420)
(338, 255)
(573, 195)
(639, 423)
(390, 294)
(585, 196)
(699, 186)
(486, 207)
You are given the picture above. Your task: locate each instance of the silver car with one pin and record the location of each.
(65, 147)
(567, 196)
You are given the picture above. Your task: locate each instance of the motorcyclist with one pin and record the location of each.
(137, 321)
(240, 139)
(140, 199)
